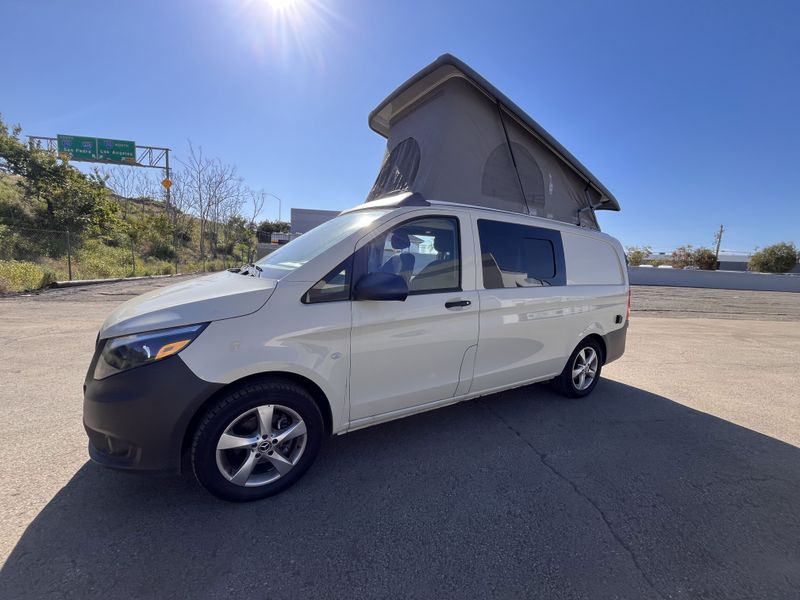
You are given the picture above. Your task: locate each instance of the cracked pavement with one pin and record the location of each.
(678, 478)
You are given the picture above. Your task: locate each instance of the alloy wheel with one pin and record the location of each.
(261, 445)
(584, 369)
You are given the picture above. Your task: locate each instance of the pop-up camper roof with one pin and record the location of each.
(451, 135)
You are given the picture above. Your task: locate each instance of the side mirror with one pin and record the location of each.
(381, 286)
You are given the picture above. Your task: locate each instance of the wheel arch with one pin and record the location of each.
(601, 342)
(312, 388)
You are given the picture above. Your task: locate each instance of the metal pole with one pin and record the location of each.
(69, 256)
(174, 214)
(133, 260)
(279, 203)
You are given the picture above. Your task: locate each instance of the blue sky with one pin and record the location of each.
(688, 111)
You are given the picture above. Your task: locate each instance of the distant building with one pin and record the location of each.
(305, 219)
(733, 261)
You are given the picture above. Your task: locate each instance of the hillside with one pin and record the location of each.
(139, 237)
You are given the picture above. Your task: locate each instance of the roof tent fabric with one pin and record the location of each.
(453, 136)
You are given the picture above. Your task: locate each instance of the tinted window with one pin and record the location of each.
(514, 255)
(425, 252)
(538, 258)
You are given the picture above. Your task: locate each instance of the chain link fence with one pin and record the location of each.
(31, 258)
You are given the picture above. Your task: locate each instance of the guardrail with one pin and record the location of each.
(723, 280)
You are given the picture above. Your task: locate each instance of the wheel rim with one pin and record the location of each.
(584, 369)
(261, 445)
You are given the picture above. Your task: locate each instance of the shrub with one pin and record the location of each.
(637, 255)
(778, 258)
(20, 276)
(682, 257)
(687, 256)
(704, 258)
(153, 266)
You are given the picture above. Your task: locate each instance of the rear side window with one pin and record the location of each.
(514, 255)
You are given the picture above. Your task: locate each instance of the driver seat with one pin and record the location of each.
(403, 263)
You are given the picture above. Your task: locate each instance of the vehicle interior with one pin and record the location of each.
(424, 252)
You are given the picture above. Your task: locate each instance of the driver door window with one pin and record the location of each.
(425, 252)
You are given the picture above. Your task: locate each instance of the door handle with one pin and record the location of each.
(456, 303)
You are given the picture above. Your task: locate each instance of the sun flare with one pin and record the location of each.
(282, 4)
(286, 31)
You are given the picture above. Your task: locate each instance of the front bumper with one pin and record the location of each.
(137, 419)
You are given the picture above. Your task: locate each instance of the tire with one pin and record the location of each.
(570, 383)
(257, 440)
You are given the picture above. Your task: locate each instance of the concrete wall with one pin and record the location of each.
(725, 280)
(305, 219)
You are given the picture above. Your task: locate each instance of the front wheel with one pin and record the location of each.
(582, 372)
(257, 440)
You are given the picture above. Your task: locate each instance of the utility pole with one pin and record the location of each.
(718, 239)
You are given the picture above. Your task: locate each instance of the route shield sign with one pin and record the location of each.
(97, 149)
(78, 148)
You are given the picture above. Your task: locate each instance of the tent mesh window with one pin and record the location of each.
(398, 171)
(500, 181)
(531, 176)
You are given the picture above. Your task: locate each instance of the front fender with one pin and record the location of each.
(309, 340)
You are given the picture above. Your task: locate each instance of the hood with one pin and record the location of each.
(210, 298)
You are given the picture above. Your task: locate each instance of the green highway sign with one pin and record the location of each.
(116, 150)
(78, 148)
(96, 149)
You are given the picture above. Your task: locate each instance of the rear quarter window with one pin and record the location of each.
(591, 261)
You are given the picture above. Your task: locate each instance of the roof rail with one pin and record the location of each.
(392, 201)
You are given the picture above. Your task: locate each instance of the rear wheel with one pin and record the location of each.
(257, 440)
(582, 371)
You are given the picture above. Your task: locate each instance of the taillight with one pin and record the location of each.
(628, 314)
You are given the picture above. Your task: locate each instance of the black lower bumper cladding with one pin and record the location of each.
(137, 419)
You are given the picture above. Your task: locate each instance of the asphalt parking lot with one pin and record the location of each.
(678, 478)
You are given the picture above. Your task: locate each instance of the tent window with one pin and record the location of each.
(531, 176)
(399, 170)
(500, 180)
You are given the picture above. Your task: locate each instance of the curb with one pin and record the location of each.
(81, 282)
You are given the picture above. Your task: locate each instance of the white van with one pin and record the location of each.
(395, 307)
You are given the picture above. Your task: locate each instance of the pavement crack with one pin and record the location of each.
(543, 459)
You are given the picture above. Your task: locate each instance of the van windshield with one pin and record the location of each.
(302, 249)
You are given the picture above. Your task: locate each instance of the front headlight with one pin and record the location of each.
(129, 351)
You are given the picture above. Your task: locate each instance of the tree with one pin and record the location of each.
(216, 192)
(705, 258)
(683, 256)
(778, 258)
(266, 228)
(637, 255)
(60, 196)
(130, 184)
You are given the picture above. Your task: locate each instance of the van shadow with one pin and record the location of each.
(623, 494)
